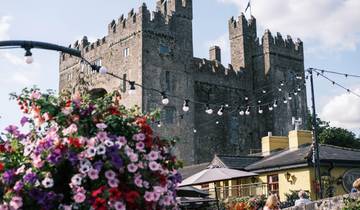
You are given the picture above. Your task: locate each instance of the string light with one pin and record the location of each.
(279, 89)
(271, 108)
(334, 72)
(217, 122)
(264, 91)
(246, 98)
(298, 77)
(221, 110)
(275, 104)
(241, 112)
(285, 101)
(159, 124)
(28, 56)
(208, 109)
(186, 107)
(282, 84)
(247, 112)
(259, 101)
(299, 88)
(165, 99)
(295, 93)
(260, 110)
(195, 130)
(132, 87)
(289, 97)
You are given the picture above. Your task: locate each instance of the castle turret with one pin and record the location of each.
(242, 34)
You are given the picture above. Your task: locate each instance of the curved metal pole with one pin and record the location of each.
(41, 45)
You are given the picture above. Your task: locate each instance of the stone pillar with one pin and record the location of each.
(215, 53)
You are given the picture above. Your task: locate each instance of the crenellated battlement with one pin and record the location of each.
(214, 67)
(283, 46)
(242, 26)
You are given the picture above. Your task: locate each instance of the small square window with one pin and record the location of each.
(126, 52)
(164, 49)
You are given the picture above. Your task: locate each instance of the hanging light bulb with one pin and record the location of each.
(241, 112)
(159, 124)
(289, 97)
(299, 89)
(165, 99)
(226, 105)
(186, 107)
(217, 122)
(103, 70)
(195, 130)
(295, 93)
(299, 77)
(259, 101)
(221, 110)
(282, 83)
(271, 108)
(275, 104)
(132, 87)
(279, 89)
(285, 101)
(246, 98)
(28, 57)
(264, 91)
(247, 112)
(260, 111)
(208, 109)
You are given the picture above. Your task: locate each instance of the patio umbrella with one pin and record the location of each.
(189, 191)
(214, 175)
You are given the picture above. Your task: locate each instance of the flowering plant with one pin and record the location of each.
(85, 153)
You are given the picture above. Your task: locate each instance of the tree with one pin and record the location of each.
(339, 137)
(333, 135)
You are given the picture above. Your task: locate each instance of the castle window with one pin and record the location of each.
(167, 81)
(126, 52)
(123, 89)
(168, 114)
(164, 49)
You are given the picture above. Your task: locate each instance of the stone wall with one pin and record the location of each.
(334, 203)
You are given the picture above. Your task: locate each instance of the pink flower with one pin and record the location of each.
(149, 196)
(139, 137)
(122, 140)
(140, 146)
(4, 207)
(168, 200)
(101, 126)
(154, 166)
(93, 174)
(79, 197)
(37, 162)
(113, 183)
(138, 181)
(16, 202)
(132, 168)
(133, 157)
(102, 136)
(70, 130)
(35, 95)
(119, 205)
(153, 155)
(110, 174)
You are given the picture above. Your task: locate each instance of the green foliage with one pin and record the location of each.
(332, 135)
(339, 137)
(290, 199)
(351, 204)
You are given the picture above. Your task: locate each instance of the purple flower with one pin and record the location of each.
(19, 185)
(55, 156)
(98, 165)
(12, 129)
(117, 161)
(8, 176)
(72, 157)
(24, 120)
(30, 178)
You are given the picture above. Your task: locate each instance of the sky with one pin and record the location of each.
(330, 30)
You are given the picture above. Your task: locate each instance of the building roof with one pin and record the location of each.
(303, 157)
(234, 162)
(188, 171)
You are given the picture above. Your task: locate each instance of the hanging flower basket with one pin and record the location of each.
(84, 153)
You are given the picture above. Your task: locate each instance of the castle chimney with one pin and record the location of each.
(215, 54)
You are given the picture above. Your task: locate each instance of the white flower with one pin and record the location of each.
(76, 179)
(109, 143)
(84, 162)
(101, 149)
(91, 151)
(47, 182)
(84, 169)
(20, 170)
(28, 149)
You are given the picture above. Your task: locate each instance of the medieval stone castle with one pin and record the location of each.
(156, 50)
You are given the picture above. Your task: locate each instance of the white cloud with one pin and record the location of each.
(343, 111)
(4, 27)
(322, 24)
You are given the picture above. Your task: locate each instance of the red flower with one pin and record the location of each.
(68, 103)
(115, 194)
(99, 204)
(2, 148)
(132, 196)
(114, 111)
(2, 166)
(75, 142)
(98, 191)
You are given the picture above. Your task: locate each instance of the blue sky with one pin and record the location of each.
(329, 29)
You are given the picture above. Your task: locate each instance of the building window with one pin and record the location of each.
(168, 114)
(167, 81)
(123, 89)
(273, 184)
(126, 52)
(164, 49)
